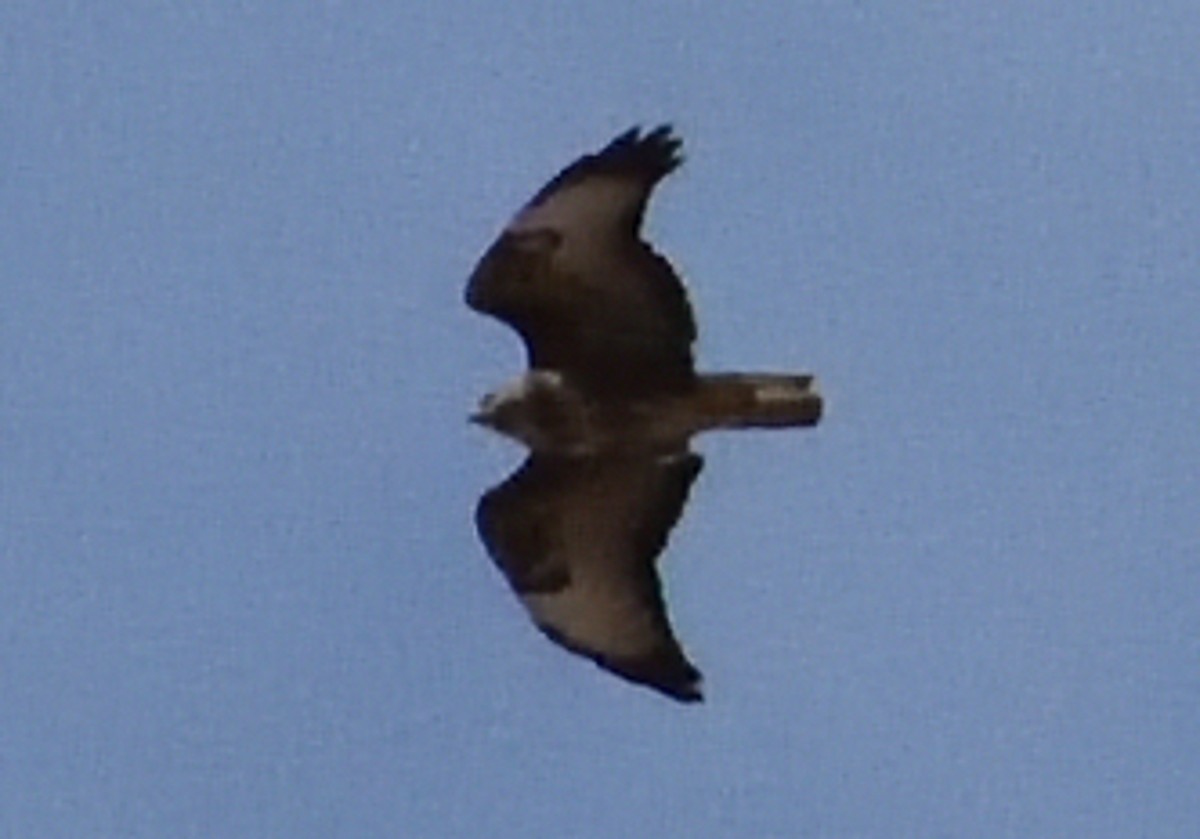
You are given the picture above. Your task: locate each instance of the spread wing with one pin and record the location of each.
(572, 275)
(577, 539)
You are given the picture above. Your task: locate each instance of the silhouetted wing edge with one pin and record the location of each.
(666, 668)
(510, 524)
(642, 158)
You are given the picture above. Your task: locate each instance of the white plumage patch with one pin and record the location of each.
(519, 389)
(583, 211)
(597, 612)
(781, 393)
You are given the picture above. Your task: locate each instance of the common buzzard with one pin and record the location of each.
(607, 409)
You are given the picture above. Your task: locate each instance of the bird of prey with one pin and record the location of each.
(607, 409)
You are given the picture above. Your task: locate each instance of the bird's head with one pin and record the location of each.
(526, 409)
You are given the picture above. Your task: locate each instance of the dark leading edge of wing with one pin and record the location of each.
(577, 540)
(571, 274)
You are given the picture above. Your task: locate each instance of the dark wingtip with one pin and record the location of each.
(658, 150)
(649, 157)
(683, 686)
(690, 693)
(666, 670)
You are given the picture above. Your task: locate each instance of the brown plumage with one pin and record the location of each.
(608, 409)
(577, 538)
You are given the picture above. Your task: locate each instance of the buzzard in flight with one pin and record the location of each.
(607, 409)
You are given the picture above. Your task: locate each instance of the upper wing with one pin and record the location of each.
(577, 539)
(571, 274)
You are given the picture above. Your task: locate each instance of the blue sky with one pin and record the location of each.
(240, 592)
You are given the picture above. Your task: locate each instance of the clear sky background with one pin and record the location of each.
(240, 591)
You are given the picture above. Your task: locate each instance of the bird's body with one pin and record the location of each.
(607, 409)
(548, 413)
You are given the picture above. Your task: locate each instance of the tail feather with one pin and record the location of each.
(759, 400)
